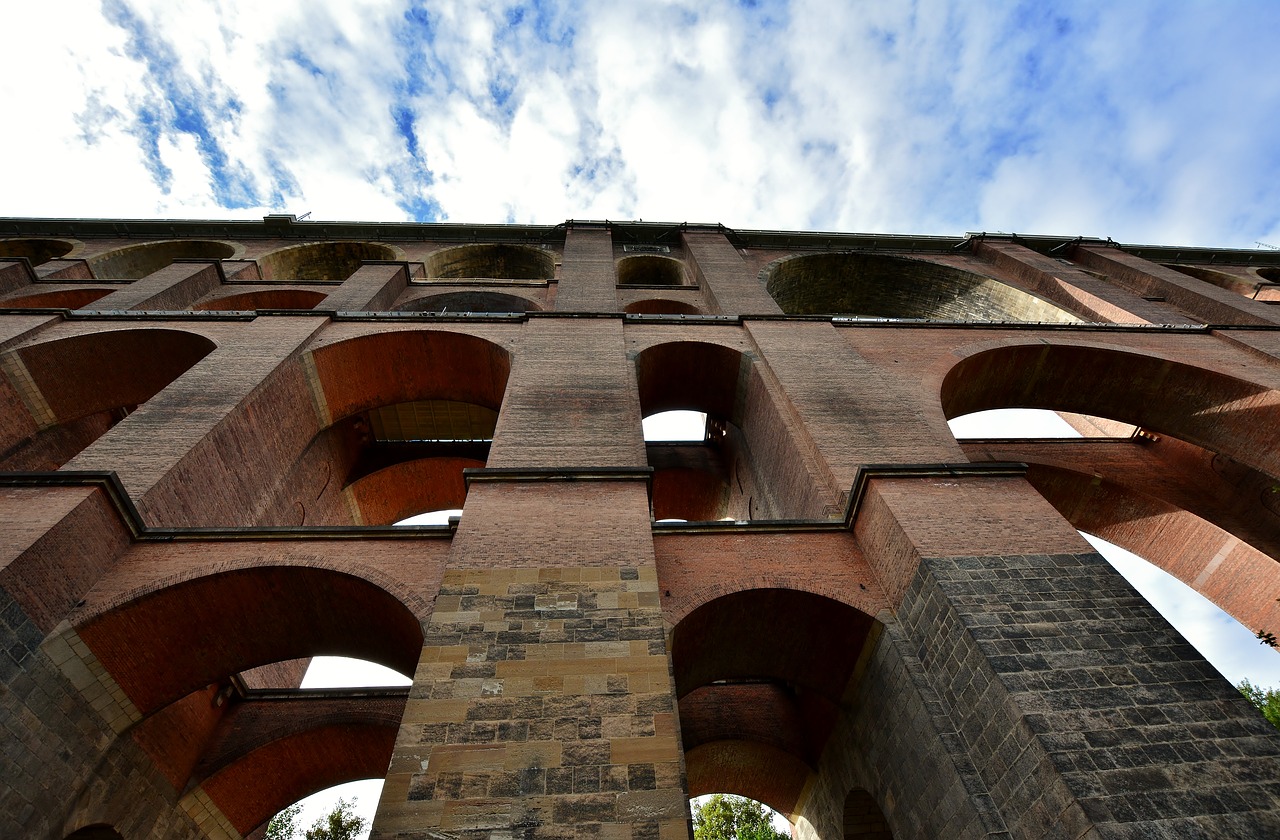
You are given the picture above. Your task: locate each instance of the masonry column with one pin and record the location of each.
(201, 451)
(728, 281)
(1080, 709)
(543, 705)
(374, 286)
(587, 279)
(173, 287)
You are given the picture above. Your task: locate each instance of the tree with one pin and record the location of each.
(1266, 699)
(284, 825)
(733, 818)
(342, 823)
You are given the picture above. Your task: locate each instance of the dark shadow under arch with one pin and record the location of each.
(136, 261)
(36, 251)
(456, 302)
(265, 299)
(661, 306)
(62, 299)
(650, 270)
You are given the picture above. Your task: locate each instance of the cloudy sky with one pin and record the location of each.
(1147, 122)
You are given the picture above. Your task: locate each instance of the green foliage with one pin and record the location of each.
(341, 824)
(1266, 699)
(284, 825)
(733, 818)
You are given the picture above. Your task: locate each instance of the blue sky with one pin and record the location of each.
(1146, 122)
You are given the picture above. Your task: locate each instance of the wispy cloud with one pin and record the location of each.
(1142, 121)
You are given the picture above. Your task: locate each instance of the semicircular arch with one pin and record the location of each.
(202, 627)
(470, 301)
(36, 250)
(132, 262)
(323, 261)
(497, 260)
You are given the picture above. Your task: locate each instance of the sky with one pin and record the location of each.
(1150, 122)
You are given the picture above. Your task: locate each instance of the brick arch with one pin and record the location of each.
(322, 260)
(693, 375)
(97, 831)
(1220, 412)
(380, 369)
(265, 299)
(65, 393)
(757, 699)
(650, 270)
(272, 752)
(889, 286)
(37, 251)
(161, 642)
(492, 261)
(132, 262)
(863, 819)
(751, 769)
(412, 487)
(470, 301)
(60, 299)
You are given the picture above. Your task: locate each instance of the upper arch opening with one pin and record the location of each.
(321, 261)
(661, 306)
(885, 286)
(650, 270)
(491, 261)
(36, 251)
(457, 302)
(136, 261)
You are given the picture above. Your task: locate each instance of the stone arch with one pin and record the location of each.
(744, 469)
(404, 412)
(661, 306)
(1223, 413)
(886, 286)
(264, 299)
(60, 299)
(650, 270)
(132, 262)
(757, 699)
(491, 261)
(201, 628)
(75, 389)
(470, 301)
(36, 251)
(322, 261)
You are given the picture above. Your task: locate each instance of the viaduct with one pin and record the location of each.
(207, 429)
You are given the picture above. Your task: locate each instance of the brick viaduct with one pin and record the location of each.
(207, 428)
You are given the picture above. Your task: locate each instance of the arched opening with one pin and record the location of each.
(1271, 275)
(739, 469)
(264, 299)
(61, 299)
(411, 410)
(203, 629)
(497, 261)
(863, 819)
(75, 389)
(650, 270)
(458, 302)
(35, 251)
(661, 306)
(757, 699)
(136, 261)
(431, 517)
(321, 261)
(1035, 423)
(884, 286)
